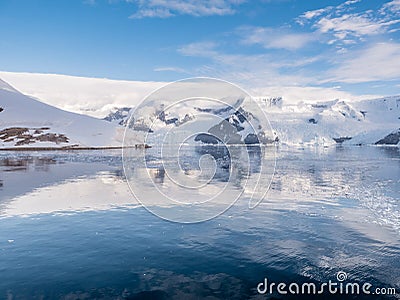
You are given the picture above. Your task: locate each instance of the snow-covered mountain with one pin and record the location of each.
(337, 121)
(26, 122)
(375, 121)
(118, 115)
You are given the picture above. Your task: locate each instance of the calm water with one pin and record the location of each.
(70, 229)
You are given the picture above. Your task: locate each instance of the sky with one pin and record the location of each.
(350, 48)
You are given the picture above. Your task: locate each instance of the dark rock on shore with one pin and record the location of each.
(391, 139)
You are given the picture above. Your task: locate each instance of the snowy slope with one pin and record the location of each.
(95, 97)
(294, 123)
(26, 122)
(321, 123)
(337, 121)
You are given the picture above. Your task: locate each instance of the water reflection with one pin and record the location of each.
(23, 163)
(84, 236)
(48, 183)
(303, 179)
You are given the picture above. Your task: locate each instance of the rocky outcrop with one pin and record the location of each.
(341, 139)
(119, 116)
(391, 139)
(25, 136)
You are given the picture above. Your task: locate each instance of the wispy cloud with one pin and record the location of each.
(378, 62)
(340, 52)
(252, 70)
(392, 7)
(351, 24)
(343, 24)
(312, 14)
(169, 69)
(296, 94)
(200, 49)
(275, 38)
(170, 8)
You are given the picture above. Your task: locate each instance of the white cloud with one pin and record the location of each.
(169, 69)
(269, 74)
(295, 94)
(342, 25)
(353, 24)
(346, 6)
(278, 72)
(275, 38)
(201, 49)
(340, 22)
(91, 96)
(250, 70)
(392, 6)
(152, 13)
(170, 8)
(349, 2)
(378, 62)
(312, 14)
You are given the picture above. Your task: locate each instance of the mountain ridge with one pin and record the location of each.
(28, 122)
(324, 123)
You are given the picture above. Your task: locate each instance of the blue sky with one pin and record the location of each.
(351, 46)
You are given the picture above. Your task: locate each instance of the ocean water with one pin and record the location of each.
(71, 229)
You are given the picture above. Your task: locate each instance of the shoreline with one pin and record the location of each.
(140, 146)
(72, 148)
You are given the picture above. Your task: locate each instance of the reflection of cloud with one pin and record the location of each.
(75, 195)
(164, 284)
(189, 286)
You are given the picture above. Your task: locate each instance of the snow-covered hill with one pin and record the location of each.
(26, 122)
(118, 115)
(95, 97)
(337, 121)
(325, 123)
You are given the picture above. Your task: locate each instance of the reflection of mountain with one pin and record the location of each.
(304, 181)
(241, 161)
